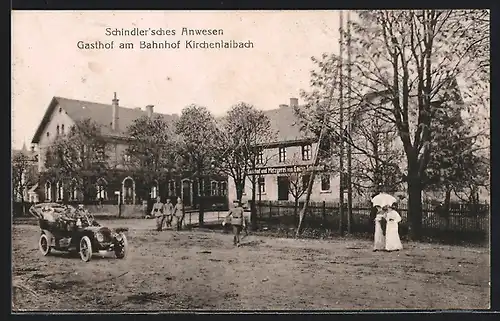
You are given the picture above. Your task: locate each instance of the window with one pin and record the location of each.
(260, 156)
(171, 188)
(222, 188)
(126, 158)
(282, 154)
(213, 188)
(200, 187)
(101, 185)
(306, 152)
(325, 182)
(60, 191)
(57, 130)
(74, 192)
(262, 185)
(48, 191)
(48, 134)
(154, 192)
(62, 129)
(305, 181)
(128, 186)
(100, 152)
(101, 192)
(60, 109)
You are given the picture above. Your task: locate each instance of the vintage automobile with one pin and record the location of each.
(70, 229)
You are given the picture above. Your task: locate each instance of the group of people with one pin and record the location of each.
(167, 215)
(387, 229)
(386, 219)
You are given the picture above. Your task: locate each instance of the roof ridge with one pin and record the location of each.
(105, 104)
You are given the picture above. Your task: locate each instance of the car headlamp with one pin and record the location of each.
(99, 237)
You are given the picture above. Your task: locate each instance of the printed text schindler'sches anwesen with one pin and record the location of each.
(154, 38)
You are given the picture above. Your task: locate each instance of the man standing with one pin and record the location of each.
(237, 221)
(167, 211)
(157, 212)
(178, 215)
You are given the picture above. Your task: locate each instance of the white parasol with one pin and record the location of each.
(383, 199)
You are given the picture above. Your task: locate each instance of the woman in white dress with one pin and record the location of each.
(379, 238)
(392, 240)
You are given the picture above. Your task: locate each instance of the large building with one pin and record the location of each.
(283, 163)
(63, 113)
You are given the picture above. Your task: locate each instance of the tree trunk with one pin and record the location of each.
(296, 207)
(239, 190)
(253, 209)
(414, 207)
(447, 199)
(201, 211)
(23, 210)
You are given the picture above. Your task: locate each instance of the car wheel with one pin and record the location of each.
(122, 247)
(44, 245)
(85, 249)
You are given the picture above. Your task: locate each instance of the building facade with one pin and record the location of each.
(284, 164)
(122, 182)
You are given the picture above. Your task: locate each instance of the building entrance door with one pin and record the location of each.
(186, 193)
(283, 188)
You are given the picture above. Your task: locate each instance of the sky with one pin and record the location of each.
(47, 63)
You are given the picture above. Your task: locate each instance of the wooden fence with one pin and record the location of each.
(462, 221)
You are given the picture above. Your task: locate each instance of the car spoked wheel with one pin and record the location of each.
(44, 245)
(85, 249)
(121, 246)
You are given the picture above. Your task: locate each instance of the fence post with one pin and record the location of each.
(278, 206)
(323, 213)
(270, 209)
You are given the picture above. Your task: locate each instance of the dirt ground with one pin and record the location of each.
(202, 270)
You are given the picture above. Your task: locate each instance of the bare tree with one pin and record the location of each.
(197, 130)
(298, 181)
(411, 59)
(152, 150)
(244, 134)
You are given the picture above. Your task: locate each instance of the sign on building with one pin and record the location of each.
(287, 169)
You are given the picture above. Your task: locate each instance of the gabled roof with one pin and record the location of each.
(100, 113)
(286, 124)
(282, 120)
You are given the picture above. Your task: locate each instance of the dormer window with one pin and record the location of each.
(57, 131)
(60, 109)
(48, 134)
(62, 129)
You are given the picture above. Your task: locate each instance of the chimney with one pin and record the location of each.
(283, 106)
(294, 102)
(116, 117)
(149, 109)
